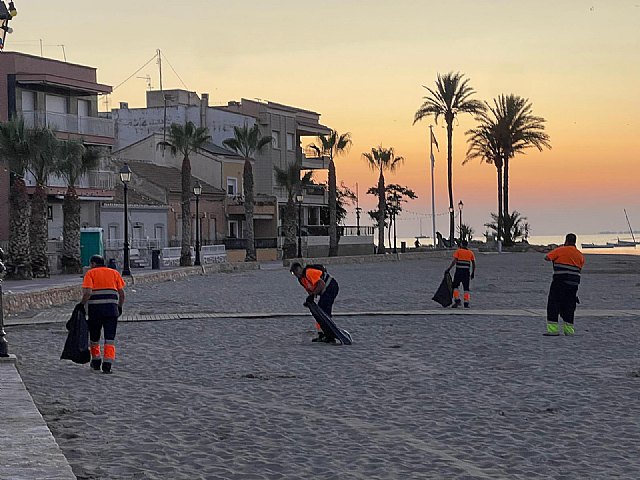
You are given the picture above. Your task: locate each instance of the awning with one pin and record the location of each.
(77, 87)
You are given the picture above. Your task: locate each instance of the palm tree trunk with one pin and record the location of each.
(38, 232)
(71, 263)
(507, 231)
(381, 213)
(450, 178)
(185, 252)
(333, 219)
(391, 220)
(19, 246)
(290, 229)
(248, 211)
(500, 221)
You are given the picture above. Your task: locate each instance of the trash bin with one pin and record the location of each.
(155, 259)
(403, 247)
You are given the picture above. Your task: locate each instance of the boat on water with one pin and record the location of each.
(623, 243)
(593, 245)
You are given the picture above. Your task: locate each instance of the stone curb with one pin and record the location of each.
(29, 450)
(21, 302)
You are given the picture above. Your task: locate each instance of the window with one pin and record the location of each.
(138, 231)
(56, 104)
(84, 107)
(290, 140)
(158, 232)
(275, 138)
(112, 233)
(28, 101)
(49, 212)
(233, 229)
(232, 186)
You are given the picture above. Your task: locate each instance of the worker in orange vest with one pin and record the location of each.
(103, 293)
(567, 267)
(465, 262)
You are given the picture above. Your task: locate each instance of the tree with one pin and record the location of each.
(505, 129)
(332, 145)
(73, 160)
(246, 143)
(14, 148)
(393, 208)
(382, 159)
(42, 153)
(289, 179)
(465, 232)
(515, 225)
(185, 140)
(451, 96)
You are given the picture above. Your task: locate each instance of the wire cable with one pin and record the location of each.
(134, 73)
(174, 70)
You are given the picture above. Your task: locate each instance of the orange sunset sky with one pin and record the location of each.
(361, 64)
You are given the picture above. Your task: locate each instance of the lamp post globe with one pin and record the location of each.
(125, 178)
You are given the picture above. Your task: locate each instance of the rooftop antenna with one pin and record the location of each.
(148, 80)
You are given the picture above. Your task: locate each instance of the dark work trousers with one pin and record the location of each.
(328, 297)
(562, 301)
(462, 277)
(97, 324)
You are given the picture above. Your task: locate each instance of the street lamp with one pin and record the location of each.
(197, 191)
(4, 350)
(299, 199)
(125, 177)
(460, 207)
(396, 205)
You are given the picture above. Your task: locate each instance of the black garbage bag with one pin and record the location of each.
(76, 348)
(444, 293)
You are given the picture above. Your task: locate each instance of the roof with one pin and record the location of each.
(169, 178)
(133, 197)
(218, 150)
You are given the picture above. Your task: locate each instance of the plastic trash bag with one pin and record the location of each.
(444, 293)
(76, 348)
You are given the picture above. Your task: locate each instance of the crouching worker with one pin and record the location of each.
(103, 292)
(316, 281)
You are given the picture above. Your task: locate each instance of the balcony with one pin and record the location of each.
(65, 123)
(309, 160)
(315, 195)
(94, 179)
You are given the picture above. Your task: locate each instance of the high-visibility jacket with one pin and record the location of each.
(464, 257)
(568, 262)
(311, 276)
(104, 283)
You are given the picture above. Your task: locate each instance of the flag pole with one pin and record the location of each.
(433, 194)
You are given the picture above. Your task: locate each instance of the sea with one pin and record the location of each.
(597, 238)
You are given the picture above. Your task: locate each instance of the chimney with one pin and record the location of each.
(204, 107)
(124, 105)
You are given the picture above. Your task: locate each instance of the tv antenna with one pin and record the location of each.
(147, 78)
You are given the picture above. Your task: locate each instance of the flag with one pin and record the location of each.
(434, 141)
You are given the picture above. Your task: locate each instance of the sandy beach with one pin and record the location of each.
(479, 396)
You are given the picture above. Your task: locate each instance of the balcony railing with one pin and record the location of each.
(62, 122)
(310, 160)
(139, 243)
(97, 179)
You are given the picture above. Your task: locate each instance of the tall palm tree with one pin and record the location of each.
(185, 140)
(246, 142)
(73, 161)
(451, 96)
(519, 131)
(332, 145)
(382, 159)
(289, 179)
(14, 149)
(484, 143)
(42, 157)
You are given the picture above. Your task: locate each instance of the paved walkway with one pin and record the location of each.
(24, 435)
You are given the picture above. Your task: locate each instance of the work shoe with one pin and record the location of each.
(106, 367)
(552, 330)
(319, 338)
(456, 304)
(466, 305)
(95, 364)
(568, 329)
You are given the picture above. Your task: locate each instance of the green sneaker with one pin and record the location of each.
(568, 329)
(552, 330)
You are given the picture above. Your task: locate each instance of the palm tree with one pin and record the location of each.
(289, 179)
(14, 148)
(73, 161)
(185, 140)
(382, 159)
(246, 143)
(519, 131)
(42, 155)
(332, 145)
(484, 143)
(451, 96)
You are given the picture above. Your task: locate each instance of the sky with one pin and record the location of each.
(362, 64)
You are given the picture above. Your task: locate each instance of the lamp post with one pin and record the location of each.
(451, 240)
(4, 350)
(460, 207)
(299, 199)
(125, 177)
(396, 204)
(197, 191)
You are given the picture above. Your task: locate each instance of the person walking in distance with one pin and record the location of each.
(316, 281)
(465, 262)
(567, 267)
(103, 292)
